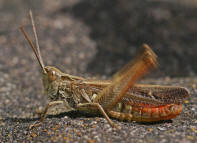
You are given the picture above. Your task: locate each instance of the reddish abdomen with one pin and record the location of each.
(145, 114)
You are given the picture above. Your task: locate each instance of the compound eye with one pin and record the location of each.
(52, 75)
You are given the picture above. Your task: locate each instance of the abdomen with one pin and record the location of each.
(145, 114)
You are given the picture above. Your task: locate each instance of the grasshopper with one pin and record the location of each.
(119, 97)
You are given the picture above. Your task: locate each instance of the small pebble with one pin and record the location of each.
(161, 128)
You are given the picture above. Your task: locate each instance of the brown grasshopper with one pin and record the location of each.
(118, 97)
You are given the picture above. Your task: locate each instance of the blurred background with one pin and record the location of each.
(98, 37)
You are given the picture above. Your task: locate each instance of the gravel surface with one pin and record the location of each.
(93, 38)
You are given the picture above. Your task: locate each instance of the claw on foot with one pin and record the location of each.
(34, 125)
(113, 125)
(117, 127)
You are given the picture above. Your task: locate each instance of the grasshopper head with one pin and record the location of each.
(51, 78)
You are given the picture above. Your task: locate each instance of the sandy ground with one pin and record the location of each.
(94, 39)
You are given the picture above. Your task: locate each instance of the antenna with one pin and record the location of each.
(32, 46)
(35, 36)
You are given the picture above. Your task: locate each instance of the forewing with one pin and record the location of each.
(154, 95)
